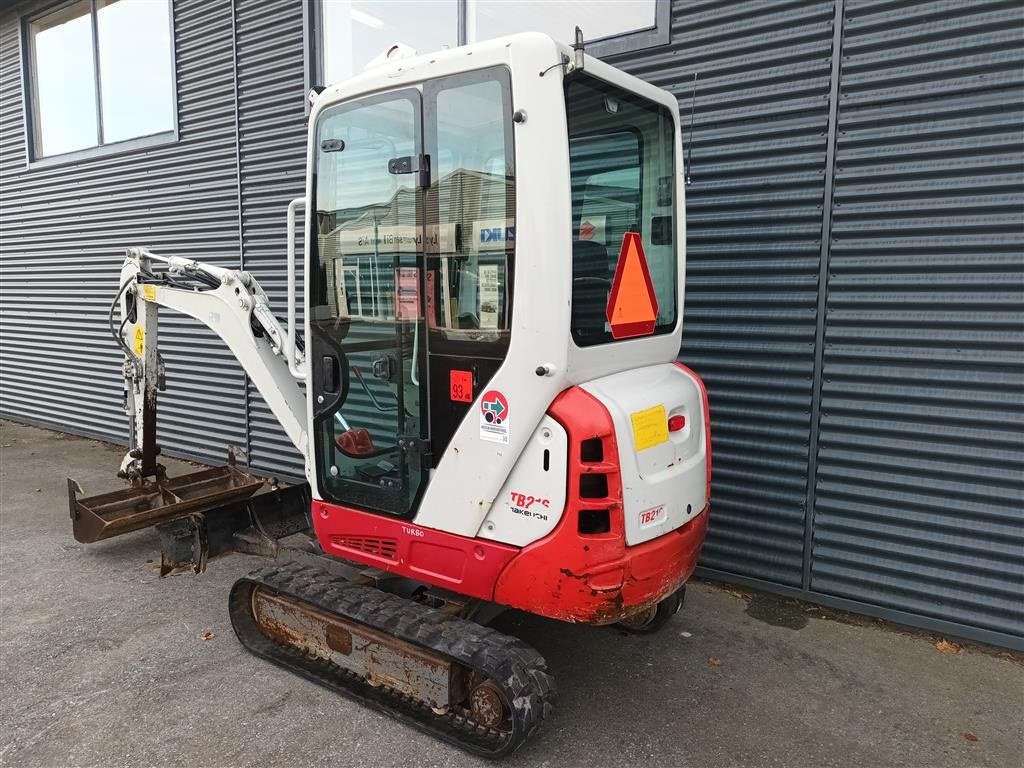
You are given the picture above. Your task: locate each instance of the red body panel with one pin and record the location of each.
(594, 578)
(463, 565)
(591, 578)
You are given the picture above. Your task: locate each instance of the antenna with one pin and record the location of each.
(577, 47)
(689, 140)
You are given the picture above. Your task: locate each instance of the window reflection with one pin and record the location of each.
(135, 68)
(64, 88)
(473, 199)
(496, 18)
(357, 31)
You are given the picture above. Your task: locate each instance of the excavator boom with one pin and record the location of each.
(235, 307)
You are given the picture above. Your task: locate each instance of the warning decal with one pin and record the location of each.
(632, 304)
(140, 341)
(494, 412)
(460, 386)
(650, 427)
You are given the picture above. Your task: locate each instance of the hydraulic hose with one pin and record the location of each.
(110, 322)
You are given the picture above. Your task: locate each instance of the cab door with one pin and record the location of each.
(471, 228)
(367, 345)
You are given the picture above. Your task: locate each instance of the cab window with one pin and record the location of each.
(622, 172)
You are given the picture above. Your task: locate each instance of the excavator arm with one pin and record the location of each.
(232, 304)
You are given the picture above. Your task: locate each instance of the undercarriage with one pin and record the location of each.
(461, 682)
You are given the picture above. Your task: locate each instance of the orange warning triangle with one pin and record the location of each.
(632, 303)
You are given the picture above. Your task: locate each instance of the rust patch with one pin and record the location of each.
(339, 639)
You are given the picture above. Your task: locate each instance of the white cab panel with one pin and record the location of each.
(533, 500)
(664, 484)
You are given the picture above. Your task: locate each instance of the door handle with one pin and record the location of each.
(329, 366)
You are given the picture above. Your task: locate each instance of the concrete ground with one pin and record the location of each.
(105, 664)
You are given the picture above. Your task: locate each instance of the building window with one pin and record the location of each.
(598, 21)
(100, 73)
(352, 33)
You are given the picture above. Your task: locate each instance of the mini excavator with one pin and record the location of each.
(482, 380)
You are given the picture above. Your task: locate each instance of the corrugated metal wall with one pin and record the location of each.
(272, 145)
(855, 292)
(63, 231)
(886, 363)
(754, 224)
(920, 472)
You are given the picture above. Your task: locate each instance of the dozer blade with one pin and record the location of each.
(110, 514)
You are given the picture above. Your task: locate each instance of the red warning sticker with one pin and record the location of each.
(494, 417)
(460, 386)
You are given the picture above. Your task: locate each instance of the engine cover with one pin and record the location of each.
(665, 474)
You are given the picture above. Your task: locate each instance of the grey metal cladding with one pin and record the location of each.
(272, 144)
(754, 221)
(63, 231)
(920, 476)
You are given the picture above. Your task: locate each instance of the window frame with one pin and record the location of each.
(101, 149)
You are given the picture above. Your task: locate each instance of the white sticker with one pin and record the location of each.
(494, 421)
(653, 516)
(488, 274)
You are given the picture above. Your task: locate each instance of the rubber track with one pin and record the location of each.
(517, 669)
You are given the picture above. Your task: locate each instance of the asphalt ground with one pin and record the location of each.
(102, 663)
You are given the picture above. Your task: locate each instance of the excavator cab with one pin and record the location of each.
(483, 383)
(411, 275)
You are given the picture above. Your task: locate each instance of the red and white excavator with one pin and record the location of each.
(483, 384)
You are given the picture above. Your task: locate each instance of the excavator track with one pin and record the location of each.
(461, 682)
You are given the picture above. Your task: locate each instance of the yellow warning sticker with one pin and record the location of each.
(650, 427)
(149, 292)
(140, 341)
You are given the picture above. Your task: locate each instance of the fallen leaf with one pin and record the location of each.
(736, 593)
(944, 646)
(714, 662)
(970, 736)
(207, 635)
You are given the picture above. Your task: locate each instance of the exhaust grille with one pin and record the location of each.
(370, 545)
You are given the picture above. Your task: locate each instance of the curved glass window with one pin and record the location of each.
(622, 170)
